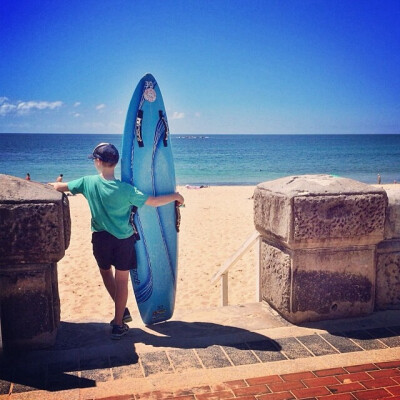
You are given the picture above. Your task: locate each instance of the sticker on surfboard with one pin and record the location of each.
(149, 92)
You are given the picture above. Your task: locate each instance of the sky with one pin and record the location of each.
(223, 66)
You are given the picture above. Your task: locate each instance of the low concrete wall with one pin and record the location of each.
(320, 235)
(35, 230)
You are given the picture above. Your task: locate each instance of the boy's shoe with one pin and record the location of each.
(119, 330)
(125, 319)
(127, 316)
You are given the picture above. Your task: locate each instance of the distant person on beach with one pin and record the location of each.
(110, 202)
(59, 178)
(379, 179)
(28, 177)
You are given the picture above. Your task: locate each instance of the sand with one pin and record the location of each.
(216, 221)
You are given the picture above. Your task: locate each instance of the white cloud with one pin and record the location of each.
(197, 114)
(5, 107)
(100, 106)
(77, 104)
(24, 107)
(178, 115)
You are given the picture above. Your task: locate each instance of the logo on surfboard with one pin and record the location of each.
(159, 312)
(149, 92)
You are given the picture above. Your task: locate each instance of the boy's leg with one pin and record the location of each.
(121, 294)
(109, 281)
(102, 250)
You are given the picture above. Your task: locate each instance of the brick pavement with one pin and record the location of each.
(370, 381)
(201, 350)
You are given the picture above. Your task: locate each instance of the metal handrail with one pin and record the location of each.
(230, 262)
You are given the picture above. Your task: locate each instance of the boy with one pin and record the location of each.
(110, 202)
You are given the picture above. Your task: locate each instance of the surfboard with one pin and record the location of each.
(147, 163)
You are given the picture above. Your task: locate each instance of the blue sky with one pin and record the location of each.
(237, 66)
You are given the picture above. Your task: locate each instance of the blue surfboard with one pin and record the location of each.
(147, 163)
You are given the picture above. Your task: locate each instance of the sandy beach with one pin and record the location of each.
(215, 222)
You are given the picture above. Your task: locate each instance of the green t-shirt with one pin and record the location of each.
(110, 203)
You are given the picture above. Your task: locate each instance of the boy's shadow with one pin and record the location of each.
(87, 347)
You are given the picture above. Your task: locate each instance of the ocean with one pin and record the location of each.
(214, 159)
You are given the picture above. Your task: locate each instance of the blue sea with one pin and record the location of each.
(214, 159)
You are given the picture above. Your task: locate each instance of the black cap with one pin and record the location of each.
(106, 152)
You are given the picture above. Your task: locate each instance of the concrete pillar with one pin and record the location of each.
(318, 249)
(35, 230)
(388, 257)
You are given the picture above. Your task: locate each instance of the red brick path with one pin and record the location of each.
(359, 382)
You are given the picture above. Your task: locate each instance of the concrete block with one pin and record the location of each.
(30, 305)
(35, 222)
(320, 211)
(333, 283)
(318, 284)
(388, 275)
(276, 277)
(392, 223)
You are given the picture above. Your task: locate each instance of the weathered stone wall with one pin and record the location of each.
(35, 230)
(388, 257)
(319, 237)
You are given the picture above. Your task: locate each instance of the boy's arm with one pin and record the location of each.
(60, 186)
(157, 201)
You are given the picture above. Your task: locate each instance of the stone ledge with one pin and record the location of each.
(320, 211)
(37, 221)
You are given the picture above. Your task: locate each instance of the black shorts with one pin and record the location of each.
(109, 250)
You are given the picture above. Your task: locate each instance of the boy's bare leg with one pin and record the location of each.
(121, 294)
(109, 281)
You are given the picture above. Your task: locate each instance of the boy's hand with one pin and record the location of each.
(59, 186)
(180, 198)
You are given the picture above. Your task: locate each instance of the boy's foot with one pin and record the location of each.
(119, 330)
(127, 316)
(125, 319)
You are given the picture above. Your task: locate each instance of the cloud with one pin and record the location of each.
(24, 107)
(100, 106)
(6, 107)
(77, 104)
(178, 115)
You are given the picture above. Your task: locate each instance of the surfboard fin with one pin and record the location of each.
(166, 128)
(138, 128)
